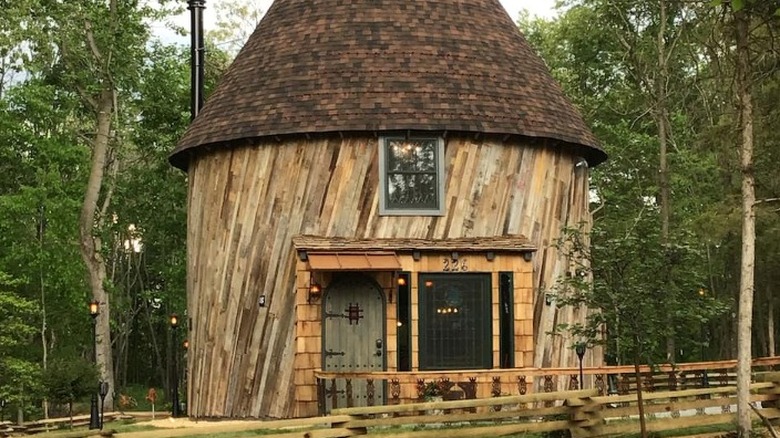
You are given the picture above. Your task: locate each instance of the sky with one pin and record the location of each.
(541, 8)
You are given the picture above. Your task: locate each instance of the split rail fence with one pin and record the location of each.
(583, 413)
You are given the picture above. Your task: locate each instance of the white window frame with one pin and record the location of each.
(383, 209)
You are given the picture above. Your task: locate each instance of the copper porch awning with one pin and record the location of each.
(353, 261)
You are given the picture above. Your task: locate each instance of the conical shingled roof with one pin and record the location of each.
(320, 66)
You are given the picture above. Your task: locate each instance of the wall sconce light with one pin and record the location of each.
(416, 255)
(490, 256)
(548, 299)
(403, 282)
(261, 301)
(528, 256)
(315, 291)
(94, 309)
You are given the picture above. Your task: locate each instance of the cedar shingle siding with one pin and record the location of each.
(326, 66)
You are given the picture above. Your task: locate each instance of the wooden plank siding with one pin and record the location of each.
(247, 203)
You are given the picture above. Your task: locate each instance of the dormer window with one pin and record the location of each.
(411, 176)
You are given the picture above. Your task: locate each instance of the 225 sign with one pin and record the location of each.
(455, 265)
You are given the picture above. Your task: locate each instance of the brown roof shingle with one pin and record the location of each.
(320, 66)
(464, 244)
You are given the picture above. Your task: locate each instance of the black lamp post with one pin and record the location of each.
(94, 418)
(580, 348)
(185, 377)
(175, 391)
(3, 402)
(103, 391)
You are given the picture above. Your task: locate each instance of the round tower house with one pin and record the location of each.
(374, 189)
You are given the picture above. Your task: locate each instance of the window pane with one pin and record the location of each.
(455, 321)
(411, 191)
(411, 155)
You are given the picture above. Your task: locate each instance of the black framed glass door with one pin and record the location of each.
(455, 321)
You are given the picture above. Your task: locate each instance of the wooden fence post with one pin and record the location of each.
(773, 377)
(585, 418)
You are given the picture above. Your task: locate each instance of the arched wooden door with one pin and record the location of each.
(353, 339)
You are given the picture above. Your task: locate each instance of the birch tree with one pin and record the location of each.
(95, 49)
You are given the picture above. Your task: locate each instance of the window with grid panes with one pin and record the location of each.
(411, 179)
(455, 322)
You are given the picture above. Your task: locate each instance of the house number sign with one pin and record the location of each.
(455, 265)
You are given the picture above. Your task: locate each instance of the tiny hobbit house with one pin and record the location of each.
(374, 188)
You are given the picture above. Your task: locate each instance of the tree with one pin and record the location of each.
(17, 373)
(236, 20)
(69, 380)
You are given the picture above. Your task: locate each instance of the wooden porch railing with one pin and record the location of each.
(408, 387)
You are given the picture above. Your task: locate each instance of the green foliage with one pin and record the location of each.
(636, 287)
(69, 379)
(609, 71)
(235, 22)
(18, 375)
(16, 313)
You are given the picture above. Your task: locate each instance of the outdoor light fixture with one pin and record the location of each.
(175, 390)
(261, 301)
(315, 290)
(3, 402)
(580, 348)
(401, 280)
(186, 344)
(94, 415)
(528, 256)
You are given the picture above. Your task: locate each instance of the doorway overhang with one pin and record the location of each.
(353, 261)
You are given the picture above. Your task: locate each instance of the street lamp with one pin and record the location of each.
(94, 418)
(580, 348)
(175, 392)
(3, 402)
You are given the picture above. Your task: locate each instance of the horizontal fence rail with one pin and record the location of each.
(335, 389)
(583, 413)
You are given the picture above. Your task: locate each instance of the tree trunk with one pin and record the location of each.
(747, 272)
(639, 399)
(770, 322)
(662, 122)
(90, 242)
(41, 278)
(155, 347)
